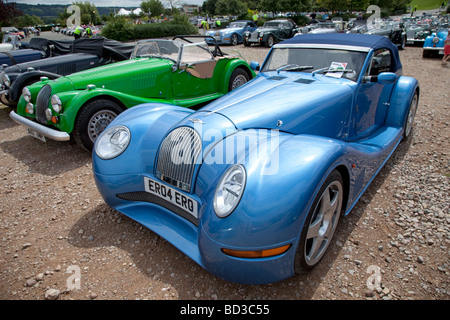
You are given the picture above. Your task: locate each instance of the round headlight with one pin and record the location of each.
(435, 39)
(229, 190)
(112, 142)
(6, 80)
(26, 94)
(56, 103)
(29, 108)
(261, 34)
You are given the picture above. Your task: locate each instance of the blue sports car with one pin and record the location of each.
(252, 185)
(434, 43)
(233, 33)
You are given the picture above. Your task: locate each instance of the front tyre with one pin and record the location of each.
(237, 79)
(93, 118)
(320, 224)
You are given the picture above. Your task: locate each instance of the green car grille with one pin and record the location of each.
(42, 101)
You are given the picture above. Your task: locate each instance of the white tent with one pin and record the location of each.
(123, 12)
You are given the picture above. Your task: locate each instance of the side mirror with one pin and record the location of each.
(254, 66)
(387, 78)
(382, 78)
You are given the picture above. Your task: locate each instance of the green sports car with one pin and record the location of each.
(182, 71)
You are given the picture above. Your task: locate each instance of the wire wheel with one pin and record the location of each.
(321, 222)
(99, 122)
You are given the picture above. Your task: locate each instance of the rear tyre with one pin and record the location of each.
(234, 39)
(320, 223)
(92, 119)
(237, 79)
(270, 41)
(409, 121)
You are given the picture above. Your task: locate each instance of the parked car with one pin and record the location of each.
(81, 105)
(13, 31)
(395, 31)
(417, 33)
(252, 185)
(84, 54)
(434, 43)
(271, 32)
(13, 51)
(233, 33)
(324, 27)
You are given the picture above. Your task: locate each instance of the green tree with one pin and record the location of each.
(27, 20)
(231, 7)
(209, 6)
(152, 7)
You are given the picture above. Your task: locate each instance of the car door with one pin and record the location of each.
(372, 98)
(195, 72)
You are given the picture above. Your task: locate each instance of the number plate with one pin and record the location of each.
(172, 195)
(35, 134)
(441, 51)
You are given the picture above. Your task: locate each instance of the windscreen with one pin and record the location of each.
(312, 59)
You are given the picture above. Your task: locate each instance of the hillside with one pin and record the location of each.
(47, 12)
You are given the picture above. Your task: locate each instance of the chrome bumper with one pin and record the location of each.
(434, 48)
(45, 131)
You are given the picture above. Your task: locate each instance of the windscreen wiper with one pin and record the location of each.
(327, 69)
(293, 67)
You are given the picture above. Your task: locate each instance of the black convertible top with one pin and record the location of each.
(100, 46)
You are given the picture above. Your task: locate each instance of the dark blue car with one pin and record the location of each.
(252, 185)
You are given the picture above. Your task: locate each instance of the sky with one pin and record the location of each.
(103, 3)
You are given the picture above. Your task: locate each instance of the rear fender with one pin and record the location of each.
(231, 66)
(400, 101)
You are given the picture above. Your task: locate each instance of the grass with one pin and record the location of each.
(426, 4)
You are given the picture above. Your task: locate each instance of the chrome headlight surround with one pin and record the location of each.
(112, 142)
(261, 34)
(29, 108)
(26, 94)
(56, 103)
(6, 80)
(229, 190)
(435, 40)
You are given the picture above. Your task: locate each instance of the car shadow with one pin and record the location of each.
(161, 263)
(49, 158)
(5, 121)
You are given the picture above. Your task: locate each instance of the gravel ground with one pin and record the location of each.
(60, 241)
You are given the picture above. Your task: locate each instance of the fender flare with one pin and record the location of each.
(233, 65)
(304, 162)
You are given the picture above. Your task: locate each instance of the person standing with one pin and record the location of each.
(77, 33)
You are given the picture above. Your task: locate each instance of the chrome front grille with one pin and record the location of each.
(43, 98)
(178, 155)
(254, 35)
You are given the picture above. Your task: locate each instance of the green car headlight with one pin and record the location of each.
(26, 94)
(56, 103)
(229, 190)
(112, 142)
